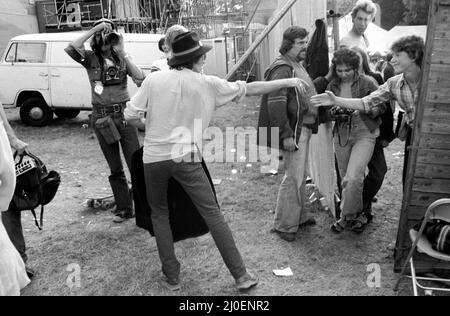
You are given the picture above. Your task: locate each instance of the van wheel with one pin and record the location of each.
(65, 113)
(35, 112)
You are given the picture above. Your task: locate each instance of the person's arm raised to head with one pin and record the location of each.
(79, 42)
(266, 87)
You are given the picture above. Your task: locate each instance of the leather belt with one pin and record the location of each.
(110, 109)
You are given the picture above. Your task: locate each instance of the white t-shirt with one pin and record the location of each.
(179, 105)
(160, 65)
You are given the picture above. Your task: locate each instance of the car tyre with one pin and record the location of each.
(35, 112)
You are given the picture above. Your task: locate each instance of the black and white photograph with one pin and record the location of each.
(224, 155)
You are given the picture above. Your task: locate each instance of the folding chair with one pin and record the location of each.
(439, 210)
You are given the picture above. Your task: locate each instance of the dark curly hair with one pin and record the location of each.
(413, 45)
(289, 37)
(345, 56)
(98, 42)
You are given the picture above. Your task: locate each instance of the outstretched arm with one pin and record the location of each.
(266, 87)
(329, 99)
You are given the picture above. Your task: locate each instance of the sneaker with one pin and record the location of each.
(289, 237)
(172, 284)
(246, 282)
(309, 222)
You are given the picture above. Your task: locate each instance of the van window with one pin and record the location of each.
(11, 56)
(27, 53)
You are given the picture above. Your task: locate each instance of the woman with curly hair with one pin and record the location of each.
(355, 137)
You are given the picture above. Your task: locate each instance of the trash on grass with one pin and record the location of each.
(268, 170)
(284, 272)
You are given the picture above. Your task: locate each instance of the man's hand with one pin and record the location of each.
(299, 84)
(19, 145)
(326, 99)
(289, 144)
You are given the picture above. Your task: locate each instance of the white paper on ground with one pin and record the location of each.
(283, 273)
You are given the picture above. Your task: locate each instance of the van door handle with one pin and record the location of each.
(43, 74)
(56, 76)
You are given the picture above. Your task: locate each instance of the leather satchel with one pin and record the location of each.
(108, 129)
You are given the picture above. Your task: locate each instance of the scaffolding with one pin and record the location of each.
(143, 16)
(209, 18)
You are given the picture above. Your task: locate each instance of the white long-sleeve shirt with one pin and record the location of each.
(179, 106)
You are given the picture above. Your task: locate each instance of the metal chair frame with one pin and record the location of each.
(435, 211)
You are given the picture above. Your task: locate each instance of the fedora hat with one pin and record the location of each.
(186, 47)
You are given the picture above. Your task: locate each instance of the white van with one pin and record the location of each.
(38, 76)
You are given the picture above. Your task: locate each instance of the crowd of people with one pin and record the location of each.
(355, 97)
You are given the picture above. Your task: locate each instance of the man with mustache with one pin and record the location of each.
(293, 114)
(362, 15)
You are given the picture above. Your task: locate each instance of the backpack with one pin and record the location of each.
(35, 186)
(438, 234)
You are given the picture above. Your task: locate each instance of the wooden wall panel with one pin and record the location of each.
(433, 156)
(425, 198)
(432, 171)
(438, 84)
(434, 141)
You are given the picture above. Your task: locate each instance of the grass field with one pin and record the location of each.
(122, 259)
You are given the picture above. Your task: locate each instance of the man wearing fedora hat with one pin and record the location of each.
(173, 101)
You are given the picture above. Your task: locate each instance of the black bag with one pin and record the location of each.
(438, 234)
(35, 186)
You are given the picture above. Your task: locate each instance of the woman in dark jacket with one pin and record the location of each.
(355, 137)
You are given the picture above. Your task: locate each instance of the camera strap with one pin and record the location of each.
(349, 130)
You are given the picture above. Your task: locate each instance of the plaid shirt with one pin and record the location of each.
(395, 89)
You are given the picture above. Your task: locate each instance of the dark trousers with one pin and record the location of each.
(408, 143)
(193, 178)
(130, 144)
(12, 220)
(374, 179)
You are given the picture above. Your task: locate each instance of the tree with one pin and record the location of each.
(403, 12)
(416, 12)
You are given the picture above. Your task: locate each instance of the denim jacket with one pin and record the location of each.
(361, 87)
